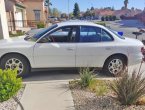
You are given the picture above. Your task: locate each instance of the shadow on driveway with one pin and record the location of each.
(50, 75)
(58, 75)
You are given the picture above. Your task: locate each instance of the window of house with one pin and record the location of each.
(37, 15)
(64, 34)
(90, 34)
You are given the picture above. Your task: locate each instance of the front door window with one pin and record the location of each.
(63, 34)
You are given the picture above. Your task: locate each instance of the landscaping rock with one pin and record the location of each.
(85, 100)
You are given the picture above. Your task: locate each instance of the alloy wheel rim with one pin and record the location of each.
(14, 63)
(115, 66)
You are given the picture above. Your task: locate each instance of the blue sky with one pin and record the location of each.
(62, 5)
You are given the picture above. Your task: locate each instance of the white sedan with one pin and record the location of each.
(71, 44)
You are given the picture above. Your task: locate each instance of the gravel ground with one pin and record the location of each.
(11, 104)
(84, 100)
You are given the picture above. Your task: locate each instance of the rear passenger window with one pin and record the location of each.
(106, 36)
(90, 34)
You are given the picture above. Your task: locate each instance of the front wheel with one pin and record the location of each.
(115, 66)
(16, 61)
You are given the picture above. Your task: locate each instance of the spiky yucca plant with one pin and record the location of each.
(129, 88)
(86, 76)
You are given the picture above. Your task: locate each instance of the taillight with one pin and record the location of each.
(143, 50)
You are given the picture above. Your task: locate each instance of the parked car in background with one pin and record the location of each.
(71, 44)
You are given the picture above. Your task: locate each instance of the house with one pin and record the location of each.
(35, 10)
(127, 13)
(16, 14)
(103, 12)
(141, 16)
(24, 14)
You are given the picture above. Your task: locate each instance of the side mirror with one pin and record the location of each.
(120, 33)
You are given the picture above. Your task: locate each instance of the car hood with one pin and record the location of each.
(14, 42)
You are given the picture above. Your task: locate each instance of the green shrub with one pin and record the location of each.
(114, 18)
(107, 18)
(86, 76)
(101, 23)
(110, 18)
(18, 33)
(9, 84)
(129, 88)
(99, 87)
(40, 25)
(102, 18)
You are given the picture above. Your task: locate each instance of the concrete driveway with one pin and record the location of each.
(48, 90)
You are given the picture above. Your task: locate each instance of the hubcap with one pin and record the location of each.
(115, 66)
(14, 63)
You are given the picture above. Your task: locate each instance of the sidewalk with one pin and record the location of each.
(52, 95)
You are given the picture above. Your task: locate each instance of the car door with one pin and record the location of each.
(56, 49)
(94, 46)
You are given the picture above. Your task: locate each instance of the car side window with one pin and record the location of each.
(106, 37)
(90, 34)
(63, 34)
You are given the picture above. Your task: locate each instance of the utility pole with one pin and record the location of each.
(47, 2)
(68, 10)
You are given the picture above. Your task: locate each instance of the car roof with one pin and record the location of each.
(78, 23)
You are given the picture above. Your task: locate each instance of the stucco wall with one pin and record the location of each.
(3, 21)
(34, 5)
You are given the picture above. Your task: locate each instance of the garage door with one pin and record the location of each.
(19, 18)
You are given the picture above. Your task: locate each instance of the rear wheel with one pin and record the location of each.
(16, 61)
(115, 66)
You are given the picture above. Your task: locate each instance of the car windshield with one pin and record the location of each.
(38, 34)
(116, 33)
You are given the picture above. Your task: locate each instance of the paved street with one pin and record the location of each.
(127, 27)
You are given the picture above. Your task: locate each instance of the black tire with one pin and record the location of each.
(106, 66)
(26, 65)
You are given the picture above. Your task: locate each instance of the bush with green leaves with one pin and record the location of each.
(102, 18)
(86, 76)
(129, 88)
(101, 23)
(40, 25)
(9, 84)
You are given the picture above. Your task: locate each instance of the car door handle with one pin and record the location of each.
(70, 49)
(108, 48)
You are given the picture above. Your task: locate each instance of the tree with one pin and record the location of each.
(113, 8)
(110, 18)
(107, 18)
(87, 13)
(92, 8)
(63, 15)
(122, 8)
(102, 18)
(114, 18)
(50, 12)
(71, 15)
(47, 2)
(125, 4)
(76, 11)
(55, 12)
